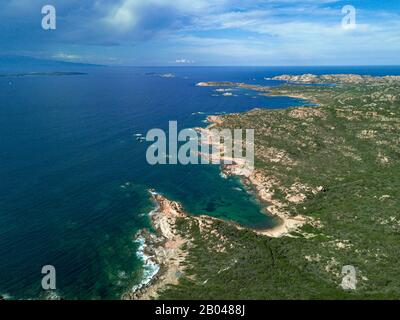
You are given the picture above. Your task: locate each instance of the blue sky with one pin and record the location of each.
(204, 32)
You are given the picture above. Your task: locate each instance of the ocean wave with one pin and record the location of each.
(5, 296)
(156, 205)
(223, 175)
(52, 295)
(152, 192)
(150, 268)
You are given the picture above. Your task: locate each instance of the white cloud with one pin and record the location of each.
(184, 61)
(129, 13)
(234, 31)
(124, 16)
(65, 56)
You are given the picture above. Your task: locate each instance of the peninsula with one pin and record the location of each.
(329, 172)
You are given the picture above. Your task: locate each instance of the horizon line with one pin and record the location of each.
(231, 66)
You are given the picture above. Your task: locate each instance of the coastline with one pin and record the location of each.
(262, 186)
(256, 180)
(262, 90)
(164, 248)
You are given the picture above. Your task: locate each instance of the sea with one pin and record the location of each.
(74, 180)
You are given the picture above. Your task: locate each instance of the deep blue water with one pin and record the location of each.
(74, 180)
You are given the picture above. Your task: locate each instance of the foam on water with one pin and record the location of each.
(150, 268)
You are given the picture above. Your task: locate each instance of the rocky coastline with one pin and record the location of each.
(163, 248)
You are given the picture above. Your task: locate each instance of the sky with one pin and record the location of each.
(204, 32)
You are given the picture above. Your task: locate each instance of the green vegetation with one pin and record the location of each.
(349, 149)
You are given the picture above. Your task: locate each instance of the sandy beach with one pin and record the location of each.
(262, 187)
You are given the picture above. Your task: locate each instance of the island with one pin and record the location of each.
(42, 74)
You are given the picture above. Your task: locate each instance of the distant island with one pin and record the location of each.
(329, 171)
(39, 74)
(162, 75)
(334, 78)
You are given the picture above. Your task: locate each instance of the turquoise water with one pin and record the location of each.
(74, 180)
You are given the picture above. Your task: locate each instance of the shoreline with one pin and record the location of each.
(273, 208)
(261, 186)
(262, 90)
(164, 248)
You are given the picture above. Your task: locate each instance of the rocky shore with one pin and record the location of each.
(334, 78)
(164, 248)
(263, 188)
